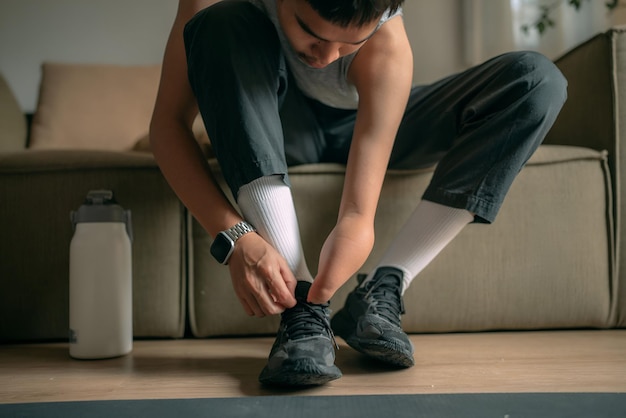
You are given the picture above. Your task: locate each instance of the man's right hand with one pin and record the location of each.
(261, 277)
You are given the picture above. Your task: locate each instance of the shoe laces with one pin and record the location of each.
(384, 295)
(306, 320)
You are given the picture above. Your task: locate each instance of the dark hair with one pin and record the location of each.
(353, 12)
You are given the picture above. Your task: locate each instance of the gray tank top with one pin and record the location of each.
(328, 85)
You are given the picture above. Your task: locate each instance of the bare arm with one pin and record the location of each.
(382, 72)
(171, 137)
(185, 168)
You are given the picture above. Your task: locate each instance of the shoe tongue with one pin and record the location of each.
(387, 288)
(302, 290)
(302, 293)
(387, 276)
(306, 319)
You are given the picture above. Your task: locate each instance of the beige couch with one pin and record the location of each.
(550, 261)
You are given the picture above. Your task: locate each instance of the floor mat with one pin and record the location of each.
(571, 405)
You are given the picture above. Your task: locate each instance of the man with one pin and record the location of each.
(287, 82)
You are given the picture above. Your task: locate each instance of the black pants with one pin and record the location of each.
(479, 126)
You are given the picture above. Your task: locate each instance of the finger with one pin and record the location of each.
(266, 300)
(283, 287)
(255, 307)
(290, 281)
(259, 299)
(244, 300)
(246, 307)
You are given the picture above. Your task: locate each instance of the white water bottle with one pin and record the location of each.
(101, 311)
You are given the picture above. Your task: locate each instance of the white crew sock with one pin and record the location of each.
(267, 204)
(429, 229)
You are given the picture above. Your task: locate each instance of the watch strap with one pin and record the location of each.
(239, 230)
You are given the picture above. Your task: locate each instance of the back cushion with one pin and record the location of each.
(92, 106)
(12, 120)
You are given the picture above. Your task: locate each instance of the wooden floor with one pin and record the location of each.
(580, 361)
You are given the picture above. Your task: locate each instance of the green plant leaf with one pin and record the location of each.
(544, 21)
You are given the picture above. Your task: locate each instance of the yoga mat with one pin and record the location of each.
(537, 405)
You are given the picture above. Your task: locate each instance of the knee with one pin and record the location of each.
(539, 78)
(228, 26)
(230, 38)
(222, 17)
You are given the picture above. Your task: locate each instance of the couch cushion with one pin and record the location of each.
(143, 144)
(39, 189)
(594, 117)
(545, 262)
(12, 120)
(97, 107)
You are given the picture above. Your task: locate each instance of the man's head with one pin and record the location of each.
(322, 31)
(353, 12)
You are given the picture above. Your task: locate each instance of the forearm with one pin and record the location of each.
(188, 173)
(261, 277)
(381, 72)
(344, 252)
(173, 144)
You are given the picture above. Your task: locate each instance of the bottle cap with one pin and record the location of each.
(100, 206)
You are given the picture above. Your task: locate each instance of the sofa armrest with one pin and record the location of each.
(594, 117)
(590, 117)
(12, 120)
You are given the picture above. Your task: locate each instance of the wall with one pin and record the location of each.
(446, 35)
(435, 29)
(135, 31)
(619, 15)
(93, 31)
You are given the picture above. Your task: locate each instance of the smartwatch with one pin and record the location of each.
(224, 243)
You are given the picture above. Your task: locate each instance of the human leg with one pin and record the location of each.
(268, 204)
(485, 124)
(247, 102)
(239, 77)
(481, 127)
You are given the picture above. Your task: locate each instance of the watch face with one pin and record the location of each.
(222, 248)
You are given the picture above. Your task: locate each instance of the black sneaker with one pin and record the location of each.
(370, 319)
(304, 351)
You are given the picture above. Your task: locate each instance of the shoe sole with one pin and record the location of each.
(301, 372)
(382, 350)
(386, 351)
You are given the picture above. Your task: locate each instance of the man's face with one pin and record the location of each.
(317, 41)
